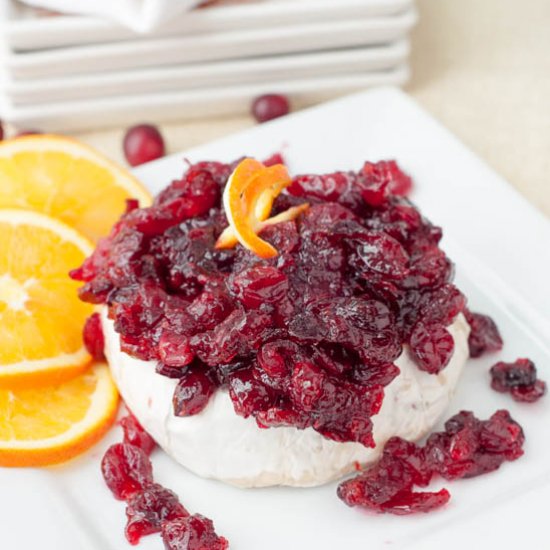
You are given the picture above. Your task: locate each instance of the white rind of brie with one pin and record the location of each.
(219, 444)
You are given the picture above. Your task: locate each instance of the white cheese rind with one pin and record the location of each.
(219, 444)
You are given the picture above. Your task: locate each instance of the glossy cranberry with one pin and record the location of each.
(529, 394)
(193, 392)
(306, 339)
(270, 106)
(249, 395)
(142, 143)
(93, 337)
(174, 350)
(467, 447)
(432, 347)
(484, 335)
(519, 378)
(387, 487)
(379, 253)
(126, 470)
(148, 509)
(134, 434)
(258, 286)
(151, 508)
(380, 179)
(192, 533)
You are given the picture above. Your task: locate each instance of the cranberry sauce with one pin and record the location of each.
(519, 378)
(306, 339)
(467, 447)
(150, 507)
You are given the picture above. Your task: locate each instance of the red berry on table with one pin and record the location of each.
(29, 132)
(270, 106)
(143, 143)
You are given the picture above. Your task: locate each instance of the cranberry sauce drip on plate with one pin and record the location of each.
(306, 339)
(468, 447)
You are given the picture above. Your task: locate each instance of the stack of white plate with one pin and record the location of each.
(61, 72)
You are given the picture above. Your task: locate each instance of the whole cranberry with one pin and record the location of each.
(142, 143)
(270, 106)
(29, 132)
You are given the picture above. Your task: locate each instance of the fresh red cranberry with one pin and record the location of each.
(126, 470)
(519, 378)
(1, 130)
(484, 335)
(192, 533)
(148, 509)
(431, 346)
(193, 392)
(270, 106)
(134, 434)
(143, 143)
(93, 337)
(29, 132)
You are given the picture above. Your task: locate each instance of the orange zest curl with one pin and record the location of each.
(248, 198)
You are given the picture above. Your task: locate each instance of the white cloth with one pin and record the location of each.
(139, 15)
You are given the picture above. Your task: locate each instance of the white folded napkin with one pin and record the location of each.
(139, 15)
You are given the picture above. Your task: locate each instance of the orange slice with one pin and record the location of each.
(56, 423)
(66, 180)
(248, 198)
(41, 317)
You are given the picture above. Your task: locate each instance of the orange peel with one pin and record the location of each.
(248, 199)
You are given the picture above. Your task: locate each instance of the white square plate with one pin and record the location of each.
(25, 29)
(191, 103)
(299, 36)
(490, 228)
(214, 74)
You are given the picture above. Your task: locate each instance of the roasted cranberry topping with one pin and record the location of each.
(192, 533)
(148, 509)
(308, 338)
(432, 346)
(142, 143)
(193, 391)
(93, 337)
(270, 106)
(519, 378)
(484, 336)
(468, 447)
(126, 470)
(135, 435)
